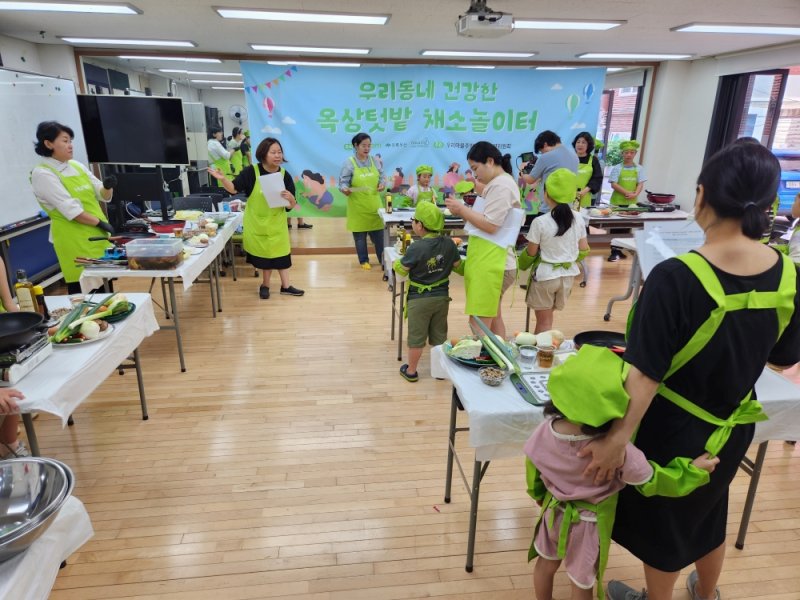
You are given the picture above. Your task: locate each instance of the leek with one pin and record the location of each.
(498, 355)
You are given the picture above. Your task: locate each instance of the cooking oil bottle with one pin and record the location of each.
(25, 294)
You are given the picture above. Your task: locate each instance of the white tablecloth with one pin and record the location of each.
(621, 221)
(500, 421)
(31, 575)
(189, 270)
(71, 373)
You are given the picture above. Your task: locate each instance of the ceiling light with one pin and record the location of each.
(185, 72)
(312, 64)
(75, 7)
(633, 56)
(730, 28)
(302, 17)
(212, 81)
(613, 69)
(555, 68)
(475, 66)
(175, 58)
(214, 87)
(573, 25)
(113, 42)
(268, 48)
(458, 53)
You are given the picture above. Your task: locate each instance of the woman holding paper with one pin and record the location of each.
(270, 193)
(493, 225)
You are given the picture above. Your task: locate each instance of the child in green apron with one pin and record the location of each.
(427, 264)
(627, 180)
(422, 190)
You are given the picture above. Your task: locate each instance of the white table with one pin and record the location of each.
(188, 271)
(31, 575)
(634, 278)
(403, 216)
(637, 222)
(390, 254)
(70, 374)
(500, 422)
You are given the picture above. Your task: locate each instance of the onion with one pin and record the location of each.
(90, 330)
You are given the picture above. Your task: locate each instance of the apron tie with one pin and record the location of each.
(422, 288)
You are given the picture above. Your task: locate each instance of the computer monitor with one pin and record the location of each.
(145, 190)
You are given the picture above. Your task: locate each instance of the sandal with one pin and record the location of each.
(408, 376)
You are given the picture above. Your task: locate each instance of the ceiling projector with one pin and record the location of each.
(482, 21)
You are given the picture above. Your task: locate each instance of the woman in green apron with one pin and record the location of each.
(218, 155)
(235, 147)
(360, 180)
(70, 195)
(265, 234)
(704, 327)
(590, 175)
(493, 224)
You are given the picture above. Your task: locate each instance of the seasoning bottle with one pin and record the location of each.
(388, 204)
(41, 305)
(24, 291)
(400, 236)
(406, 242)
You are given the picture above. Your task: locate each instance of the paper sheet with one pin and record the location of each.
(271, 186)
(665, 239)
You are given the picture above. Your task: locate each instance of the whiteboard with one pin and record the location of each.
(27, 99)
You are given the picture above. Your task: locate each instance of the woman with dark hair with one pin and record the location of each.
(590, 174)
(493, 224)
(265, 234)
(360, 180)
(235, 148)
(70, 195)
(218, 155)
(690, 383)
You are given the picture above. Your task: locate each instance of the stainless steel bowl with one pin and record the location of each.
(32, 491)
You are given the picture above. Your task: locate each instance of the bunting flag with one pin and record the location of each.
(268, 84)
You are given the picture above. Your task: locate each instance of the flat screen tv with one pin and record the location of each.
(134, 130)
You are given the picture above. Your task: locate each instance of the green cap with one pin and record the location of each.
(589, 388)
(422, 169)
(464, 187)
(430, 216)
(629, 145)
(561, 186)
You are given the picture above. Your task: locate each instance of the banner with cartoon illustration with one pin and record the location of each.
(414, 114)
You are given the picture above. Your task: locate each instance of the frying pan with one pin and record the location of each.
(121, 239)
(604, 339)
(659, 198)
(17, 328)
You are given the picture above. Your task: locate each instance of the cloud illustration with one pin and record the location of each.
(556, 86)
(578, 126)
(288, 121)
(269, 129)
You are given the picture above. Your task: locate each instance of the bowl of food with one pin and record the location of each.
(492, 376)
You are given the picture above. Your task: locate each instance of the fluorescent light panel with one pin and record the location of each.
(613, 69)
(633, 56)
(301, 17)
(215, 87)
(738, 29)
(215, 73)
(312, 64)
(555, 68)
(115, 42)
(459, 53)
(72, 7)
(212, 81)
(268, 48)
(569, 25)
(475, 66)
(173, 58)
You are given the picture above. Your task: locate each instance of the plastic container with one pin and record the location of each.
(154, 254)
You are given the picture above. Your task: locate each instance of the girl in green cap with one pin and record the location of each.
(422, 190)
(627, 180)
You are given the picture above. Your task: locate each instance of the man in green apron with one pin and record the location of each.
(361, 180)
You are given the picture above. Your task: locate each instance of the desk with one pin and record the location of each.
(637, 222)
(501, 422)
(188, 271)
(390, 254)
(73, 373)
(634, 278)
(404, 215)
(31, 575)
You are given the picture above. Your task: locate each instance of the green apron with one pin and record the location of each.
(265, 230)
(584, 175)
(483, 277)
(70, 238)
(429, 196)
(628, 180)
(237, 161)
(364, 201)
(221, 164)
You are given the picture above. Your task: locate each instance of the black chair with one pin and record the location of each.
(204, 203)
(216, 197)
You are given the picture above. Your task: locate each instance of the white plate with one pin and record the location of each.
(103, 335)
(200, 247)
(195, 249)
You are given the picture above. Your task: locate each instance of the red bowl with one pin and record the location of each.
(660, 198)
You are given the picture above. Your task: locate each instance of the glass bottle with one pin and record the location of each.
(24, 290)
(41, 305)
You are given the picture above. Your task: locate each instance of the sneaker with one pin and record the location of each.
(305, 226)
(616, 590)
(412, 377)
(263, 292)
(366, 266)
(292, 291)
(614, 257)
(21, 451)
(691, 583)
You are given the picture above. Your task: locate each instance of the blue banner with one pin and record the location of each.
(414, 114)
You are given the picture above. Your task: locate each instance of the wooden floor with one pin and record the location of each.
(292, 461)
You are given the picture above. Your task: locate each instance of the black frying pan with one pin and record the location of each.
(604, 339)
(17, 328)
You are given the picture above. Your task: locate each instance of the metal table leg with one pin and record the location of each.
(140, 383)
(164, 296)
(451, 445)
(217, 270)
(754, 469)
(211, 289)
(174, 312)
(394, 307)
(400, 319)
(232, 256)
(33, 443)
(478, 471)
(634, 282)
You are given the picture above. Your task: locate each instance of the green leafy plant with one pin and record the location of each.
(613, 155)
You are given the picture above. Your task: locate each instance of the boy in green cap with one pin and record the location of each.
(627, 180)
(427, 263)
(422, 190)
(577, 515)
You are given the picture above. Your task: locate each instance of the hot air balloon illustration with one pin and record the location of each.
(572, 103)
(588, 92)
(269, 104)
